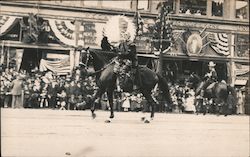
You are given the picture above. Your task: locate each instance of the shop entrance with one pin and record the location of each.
(178, 70)
(31, 59)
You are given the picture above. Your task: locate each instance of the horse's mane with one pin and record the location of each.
(101, 58)
(196, 76)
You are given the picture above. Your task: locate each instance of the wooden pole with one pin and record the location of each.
(162, 19)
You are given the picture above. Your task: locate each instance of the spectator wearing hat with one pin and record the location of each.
(52, 94)
(72, 88)
(17, 93)
(72, 102)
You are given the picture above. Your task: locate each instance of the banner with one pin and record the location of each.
(61, 67)
(19, 57)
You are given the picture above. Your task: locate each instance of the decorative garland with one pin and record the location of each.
(5, 23)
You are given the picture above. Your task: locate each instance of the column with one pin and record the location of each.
(177, 6)
(209, 8)
(72, 59)
(229, 9)
(231, 66)
(77, 58)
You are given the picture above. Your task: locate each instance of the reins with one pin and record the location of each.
(103, 68)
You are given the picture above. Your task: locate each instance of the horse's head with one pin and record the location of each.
(96, 58)
(193, 79)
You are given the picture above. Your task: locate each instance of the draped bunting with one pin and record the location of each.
(5, 23)
(61, 67)
(219, 42)
(85, 33)
(241, 69)
(64, 31)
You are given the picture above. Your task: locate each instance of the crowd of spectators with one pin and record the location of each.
(74, 92)
(46, 89)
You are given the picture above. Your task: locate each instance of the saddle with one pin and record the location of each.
(129, 76)
(211, 86)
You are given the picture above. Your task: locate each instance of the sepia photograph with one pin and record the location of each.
(124, 78)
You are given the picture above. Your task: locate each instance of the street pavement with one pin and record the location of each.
(57, 133)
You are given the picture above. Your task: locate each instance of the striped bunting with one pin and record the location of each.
(219, 42)
(60, 67)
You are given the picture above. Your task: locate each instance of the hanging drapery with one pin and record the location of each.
(219, 42)
(61, 67)
(5, 23)
(65, 31)
(241, 69)
(19, 57)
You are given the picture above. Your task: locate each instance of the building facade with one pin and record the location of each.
(203, 31)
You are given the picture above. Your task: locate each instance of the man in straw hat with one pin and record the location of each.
(210, 77)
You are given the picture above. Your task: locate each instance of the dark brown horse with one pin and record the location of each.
(219, 92)
(103, 63)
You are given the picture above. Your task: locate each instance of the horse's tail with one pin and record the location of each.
(163, 85)
(233, 91)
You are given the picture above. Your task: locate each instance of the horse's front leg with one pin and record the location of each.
(152, 102)
(95, 100)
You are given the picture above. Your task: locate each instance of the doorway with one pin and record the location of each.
(31, 59)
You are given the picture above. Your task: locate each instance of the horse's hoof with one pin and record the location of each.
(152, 118)
(146, 121)
(112, 116)
(108, 121)
(142, 118)
(93, 115)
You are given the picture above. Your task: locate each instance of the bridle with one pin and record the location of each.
(89, 56)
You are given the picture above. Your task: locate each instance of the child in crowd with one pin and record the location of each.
(62, 100)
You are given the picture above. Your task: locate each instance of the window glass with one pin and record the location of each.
(90, 3)
(242, 45)
(241, 9)
(194, 7)
(119, 4)
(217, 7)
(143, 4)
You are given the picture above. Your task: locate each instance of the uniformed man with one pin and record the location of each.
(210, 77)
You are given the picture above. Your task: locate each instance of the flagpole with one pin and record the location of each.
(136, 13)
(2, 53)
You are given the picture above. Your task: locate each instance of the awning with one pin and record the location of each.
(6, 22)
(240, 82)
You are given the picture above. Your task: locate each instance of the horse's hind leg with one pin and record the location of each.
(110, 98)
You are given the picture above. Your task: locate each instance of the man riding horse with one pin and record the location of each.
(127, 55)
(209, 80)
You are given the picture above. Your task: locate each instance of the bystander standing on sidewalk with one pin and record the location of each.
(17, 93)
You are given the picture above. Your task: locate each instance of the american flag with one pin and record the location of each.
(219, 42)
(60, 67)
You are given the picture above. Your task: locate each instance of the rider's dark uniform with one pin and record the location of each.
(127, 53)
(209, 78)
